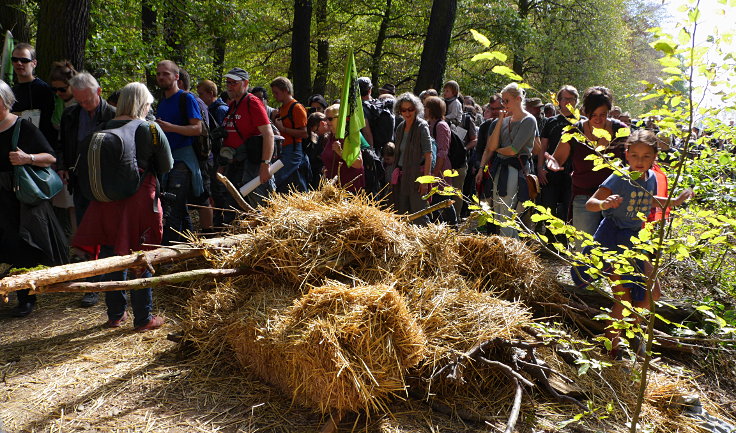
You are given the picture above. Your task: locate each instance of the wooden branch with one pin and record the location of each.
(508, 370)
(235, 193)
(515, 409)
(76, 271)
(140, 283)
(441, 205)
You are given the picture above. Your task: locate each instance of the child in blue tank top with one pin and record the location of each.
(622, 201)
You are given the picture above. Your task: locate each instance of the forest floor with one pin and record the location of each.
(61, 370)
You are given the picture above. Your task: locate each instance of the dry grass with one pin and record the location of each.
(345, 303)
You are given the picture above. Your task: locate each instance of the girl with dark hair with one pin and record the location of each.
(597, 102)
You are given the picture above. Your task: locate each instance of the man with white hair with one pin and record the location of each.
(90, 114)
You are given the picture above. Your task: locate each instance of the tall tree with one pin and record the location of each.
(148, 33)
(62, 33)
(173, 25)
(323, 48)
(436, 44)
(13, 18)
(380, 40)
(301, 69)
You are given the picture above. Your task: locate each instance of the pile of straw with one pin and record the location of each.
(337, 347)
(347, 300)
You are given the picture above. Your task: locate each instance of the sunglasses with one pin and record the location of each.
(21, 59)
(408, 110)
(60, 89)
(330, 119)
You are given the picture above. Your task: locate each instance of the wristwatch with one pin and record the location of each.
(265, 161)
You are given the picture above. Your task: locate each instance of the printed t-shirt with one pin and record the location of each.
(635, 198)
(248, 113)
(168, 110)
(298, 119)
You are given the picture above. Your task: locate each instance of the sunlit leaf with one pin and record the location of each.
(481, 39)
(506, 71)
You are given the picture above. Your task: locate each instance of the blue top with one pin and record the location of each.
(218, 110)
(168, 110)
(635, 198)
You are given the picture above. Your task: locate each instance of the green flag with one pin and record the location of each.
(350, 120)
(6, 65)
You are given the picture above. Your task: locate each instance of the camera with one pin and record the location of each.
(218, 133)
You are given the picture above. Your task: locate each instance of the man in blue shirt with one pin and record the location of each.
(185, 179)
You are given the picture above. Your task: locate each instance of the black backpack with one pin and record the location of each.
(107, 168)
(373, 171)
(202, 143)
(381, 119)
(457, 153)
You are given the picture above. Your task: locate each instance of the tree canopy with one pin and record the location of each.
(548, 42)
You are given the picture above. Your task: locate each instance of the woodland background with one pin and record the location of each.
(414, 44)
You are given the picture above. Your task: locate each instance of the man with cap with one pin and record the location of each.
(387, 89)
(179, 117)
(534, 107)
(247, 149)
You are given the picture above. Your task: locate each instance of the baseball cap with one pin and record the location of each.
(237, 74)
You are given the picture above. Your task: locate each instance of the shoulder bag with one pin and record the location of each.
(33, 184)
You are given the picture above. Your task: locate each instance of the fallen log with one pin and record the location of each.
(77, 271)
(140, 283)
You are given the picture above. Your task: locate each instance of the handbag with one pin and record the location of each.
(33, 184)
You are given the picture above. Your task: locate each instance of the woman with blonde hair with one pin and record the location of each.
(512, 142)
(134, 223)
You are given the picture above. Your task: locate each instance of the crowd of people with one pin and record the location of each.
(196, 132)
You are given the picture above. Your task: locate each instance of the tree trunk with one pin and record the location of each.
(525, 7)
(76, 271)
(380, 39)
(218, 62)
(436, 44)
(14, 19)
(148, 35)
(173, 24)
(62, 33)
(323, 49)
(300, 59)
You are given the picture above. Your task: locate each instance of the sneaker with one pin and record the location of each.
(90, 300)
(116, 323)
(154, 323)
(23, 310)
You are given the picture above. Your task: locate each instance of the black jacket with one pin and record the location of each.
(66, 155)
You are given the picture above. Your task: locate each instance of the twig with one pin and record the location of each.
(441, 205)
(508, 370)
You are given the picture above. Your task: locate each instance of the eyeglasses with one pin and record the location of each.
(59, 89)
(408, 110)
(330, 119)
(23, 60)
(565, 98)
(231, 83)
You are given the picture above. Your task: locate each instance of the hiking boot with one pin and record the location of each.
(23, 310)
(154, 323)
(90, 300)
(116, 323)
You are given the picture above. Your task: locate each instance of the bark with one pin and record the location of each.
(301, 68)
(62, 33)
(173, 24)
(218, 62)
(149, 34)
(436, 45)
(141, 283)
(14, 19)
(75, 271)
(323, 48)
(380, 40)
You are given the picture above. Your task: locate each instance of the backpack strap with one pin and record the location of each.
(16, 135)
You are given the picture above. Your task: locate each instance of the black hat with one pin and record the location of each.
(237, 74)
(388, 88)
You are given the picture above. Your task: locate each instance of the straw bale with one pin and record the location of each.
(336, 347)
(506, 264)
